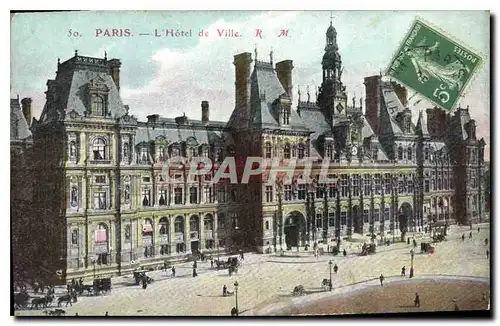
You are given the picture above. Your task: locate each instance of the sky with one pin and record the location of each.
(172, 75)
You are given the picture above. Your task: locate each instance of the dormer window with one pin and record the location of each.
(329, 151)
(286, 116)
(144, 155)
(175, 150)
(409, 154)
(400, 153)
(204, 152)
(268, 149)
(97, 106)
(161, 153)
(300, 151)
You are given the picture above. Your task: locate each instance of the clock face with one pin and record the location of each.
(354, 150)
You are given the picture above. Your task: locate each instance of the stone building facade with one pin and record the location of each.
(108, 206)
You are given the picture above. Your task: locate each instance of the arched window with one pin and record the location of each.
(99, 149)
(164, 247)
(409, 154)
(179, 224)
(208, 222)
(164, 226)
(400, 153)
(268, 150)
(147, 238)
(98, 106)
(286, 151)
(194, 224)
(101, 244)
(74, 237)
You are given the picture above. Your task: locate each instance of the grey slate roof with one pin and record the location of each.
(317, 123)
(19, 128)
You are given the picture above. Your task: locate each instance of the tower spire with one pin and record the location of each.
(271, 55)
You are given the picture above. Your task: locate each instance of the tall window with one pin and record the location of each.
(161, 154)
(367, 179)
(178, 195)
(426, 154)
(365, 216)
(221, 221)
(193, 195)
(387, 213)
(286, 116)
(319, 190)
(401, 183)
(72, 150)
(409, 154)
(74, 237)
(410, 184)
(99, 149)
(387, 183)
(288, 192)
(331, 219)
(100, 200)
(439, 181)
(343, 218)
(144, 155)
(194, 224)
(268, 149)
(343, 185)
(221, 193)
(300, 151)
(286, 151)
(179, 224)
(163, 197)
(433, 180)
(378, 185)
(446, 184)
(98, 106)
(329, 151)
(269, 194)
(209, 198)
(301, 192)
(319, 220)
(374, 152)
(400, 153)
(355, 185)
(426, 186)
(146, 197)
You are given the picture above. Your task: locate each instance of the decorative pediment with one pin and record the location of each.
(73, 114)
(191, 142)
(98, 85)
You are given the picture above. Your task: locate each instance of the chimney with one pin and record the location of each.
(284, 71)
(436, 122)
(372, 101)
(242, 66)
(26, 105)
(114, 70)
(205, 112)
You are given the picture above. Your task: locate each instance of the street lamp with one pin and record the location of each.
(411, 267)
(236, 295)
(330, 263)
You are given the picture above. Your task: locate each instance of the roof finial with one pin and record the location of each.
(255, 52)
(380, 72)
(76, 53)
(331, 18)
(354, 100)
(298, 87)
(271, 55)
(316, 94)
(105, 55)
(361, 102)
(308, 95)
(18, 97)
(58, 61)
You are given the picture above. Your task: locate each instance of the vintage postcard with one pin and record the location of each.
(244, 163)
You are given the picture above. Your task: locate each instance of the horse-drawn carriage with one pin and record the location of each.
(298, 290)
(21, 299)
(232, 262)
(139, 275)
(368, 249)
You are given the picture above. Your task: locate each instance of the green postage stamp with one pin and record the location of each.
(434, 65)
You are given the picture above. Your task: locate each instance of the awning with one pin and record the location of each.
(101, 236)
(147, 228)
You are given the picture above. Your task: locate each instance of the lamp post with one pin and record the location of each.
(411, 266)
(236, 296)
(93, 263)
(330, 264)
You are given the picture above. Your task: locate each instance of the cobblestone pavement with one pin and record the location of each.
(266, 280)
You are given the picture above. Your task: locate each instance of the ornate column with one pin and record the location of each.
(187, 235)
(201, 232)
(171, 234)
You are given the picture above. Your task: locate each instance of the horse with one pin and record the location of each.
(65, 298)
(21, 299)
(41, 302)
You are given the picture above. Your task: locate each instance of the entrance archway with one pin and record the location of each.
(295, 229)
(357, 219)
(405, 214)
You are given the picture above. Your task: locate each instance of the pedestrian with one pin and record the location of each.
(414, 243)
(80, 281)
(165, 266)
(144, 282)
(194, 272)
(487, 253)
(381, 279)
(195, 264)
(403, 271)
(470, 226)
(335, 268)
(456, 307)
(417, 300)
(478, 229)
(212, 263)
(345, 253)
(470, 235)
(224, 290)
(173, 271)
(463, 237)
(426, 229)
(41, 286)
(234, 311)
(408, 240)
(76, 314)
(242, 256)
(106, 314)
(486, 242)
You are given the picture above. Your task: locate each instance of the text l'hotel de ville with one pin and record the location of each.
(176, 32)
